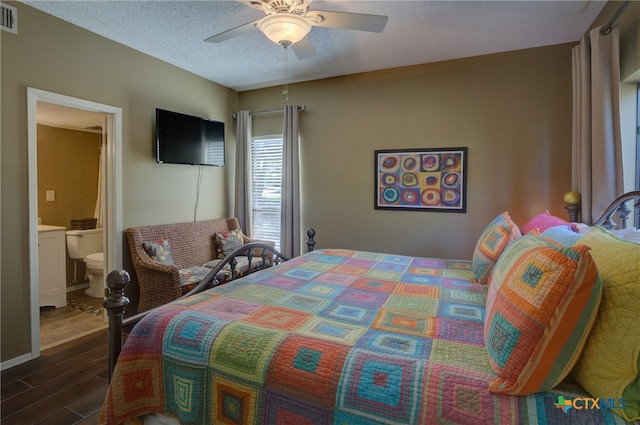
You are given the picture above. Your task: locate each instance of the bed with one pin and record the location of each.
(340, 336)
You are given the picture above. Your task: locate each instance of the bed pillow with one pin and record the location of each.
(159, 251)
(227, 242)
(562, 234)
(541, 305)
(610, 361)
(493, 240)
(544, 221)
(630, 234)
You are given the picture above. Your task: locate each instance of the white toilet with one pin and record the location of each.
(86, 245)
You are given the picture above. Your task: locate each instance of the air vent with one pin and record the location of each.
(8, 18)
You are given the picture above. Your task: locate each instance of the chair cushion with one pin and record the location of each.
(242, 267)
(228, 241)
(610, 363)
(159, 251)
(493, 240)
(190, 276)
(541, 305)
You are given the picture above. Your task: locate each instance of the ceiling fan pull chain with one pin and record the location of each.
(285, 92)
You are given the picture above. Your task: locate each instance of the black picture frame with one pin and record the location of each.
(430, 179)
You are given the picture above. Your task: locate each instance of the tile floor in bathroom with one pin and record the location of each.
(81, 316)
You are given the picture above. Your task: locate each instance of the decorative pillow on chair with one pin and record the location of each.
(609, 365)
(159, 251)
(544, 221)
(227, 242)
(541, 305)
(493, 240)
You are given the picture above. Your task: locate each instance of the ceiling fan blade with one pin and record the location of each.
(233, 32)
(252, 3)
(352, 21)
(304, 49)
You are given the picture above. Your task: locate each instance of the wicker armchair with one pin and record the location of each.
(192, 246)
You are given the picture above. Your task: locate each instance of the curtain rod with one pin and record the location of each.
(607, 28)
(271, 111)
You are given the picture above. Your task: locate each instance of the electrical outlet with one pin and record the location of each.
(51, 195)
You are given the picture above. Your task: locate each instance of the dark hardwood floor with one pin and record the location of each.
(65, 385)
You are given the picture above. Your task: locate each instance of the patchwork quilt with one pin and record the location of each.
(331, 337)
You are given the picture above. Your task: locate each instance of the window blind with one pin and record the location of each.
(266, 180)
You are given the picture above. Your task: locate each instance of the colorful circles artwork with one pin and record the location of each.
(429, 179)
(410, 196)
(430, 162)
(450, 197)
(451, 179)
(409, 179)
(410, 163)
(430, 197)
(389, 179)
(390, 195)
(390, 163)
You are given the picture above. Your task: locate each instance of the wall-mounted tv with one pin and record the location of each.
(185, 139)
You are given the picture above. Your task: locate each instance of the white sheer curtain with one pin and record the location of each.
(290, 221)
(597, 145)
(243, 207)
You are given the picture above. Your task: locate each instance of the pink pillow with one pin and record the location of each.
(544, 221)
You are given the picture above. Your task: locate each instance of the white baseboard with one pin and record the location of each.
(15, 361)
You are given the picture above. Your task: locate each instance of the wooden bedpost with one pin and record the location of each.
(572, 205)
(311, 243)
(115, 303)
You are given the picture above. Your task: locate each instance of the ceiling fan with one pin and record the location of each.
(288, 23)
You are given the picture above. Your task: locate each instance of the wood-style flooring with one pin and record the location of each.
(68, 382)
(60, 325)
(66, 385)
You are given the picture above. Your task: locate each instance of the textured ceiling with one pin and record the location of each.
(417, 32)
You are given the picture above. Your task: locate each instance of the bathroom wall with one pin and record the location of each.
(68, 164)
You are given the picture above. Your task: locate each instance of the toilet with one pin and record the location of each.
(86, 245)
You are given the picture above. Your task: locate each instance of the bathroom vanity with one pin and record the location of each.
(52, 265)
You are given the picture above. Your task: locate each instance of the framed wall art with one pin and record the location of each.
(421, 179)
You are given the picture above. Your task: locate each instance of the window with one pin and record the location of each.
(266, 182)
(214, 152)
(630, 135)
(637, 170)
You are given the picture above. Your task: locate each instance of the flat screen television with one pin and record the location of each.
(185, 139)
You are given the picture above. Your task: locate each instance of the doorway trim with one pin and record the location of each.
(111, 185)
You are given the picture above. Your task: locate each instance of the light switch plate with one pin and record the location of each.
(51, 195)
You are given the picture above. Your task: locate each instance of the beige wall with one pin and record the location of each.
(68, 164)
(52, 55)
(512, 111)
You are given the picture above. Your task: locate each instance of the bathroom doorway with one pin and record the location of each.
(70, 113)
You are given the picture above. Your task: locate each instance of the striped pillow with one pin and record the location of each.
(541, 305)
(493, 240)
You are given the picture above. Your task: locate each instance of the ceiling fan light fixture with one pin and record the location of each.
(284, 28)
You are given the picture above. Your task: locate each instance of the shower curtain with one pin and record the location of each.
(97, 213)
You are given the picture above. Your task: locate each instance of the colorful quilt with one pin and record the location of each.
(331, 337)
